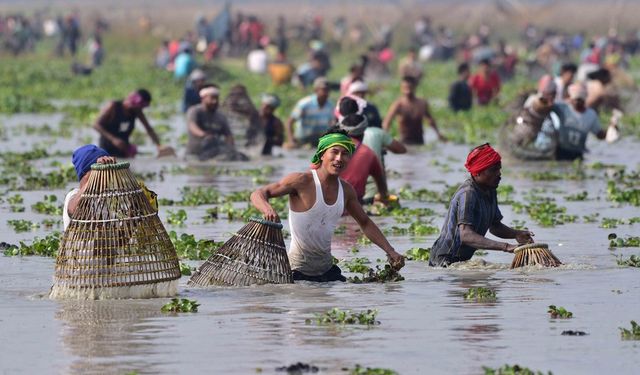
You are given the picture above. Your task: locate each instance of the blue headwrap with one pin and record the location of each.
(84, 157)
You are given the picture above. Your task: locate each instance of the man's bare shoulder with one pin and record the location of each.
(298, 178)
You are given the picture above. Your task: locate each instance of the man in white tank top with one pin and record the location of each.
(317, 200)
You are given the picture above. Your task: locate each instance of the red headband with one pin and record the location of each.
(481, 158)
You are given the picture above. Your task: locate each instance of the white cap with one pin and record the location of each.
(357, 86)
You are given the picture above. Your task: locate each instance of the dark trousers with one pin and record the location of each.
(333, 274)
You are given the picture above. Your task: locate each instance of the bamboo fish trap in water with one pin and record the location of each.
(115, 245)
(254, 255)
(534, 254)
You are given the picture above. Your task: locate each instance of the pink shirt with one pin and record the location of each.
(364, 163)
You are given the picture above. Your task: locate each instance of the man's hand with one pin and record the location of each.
(524, 236)
(442, 138)
(106, 160)
(165, 151)
(509, 248)
(120, 144)
(271, 215)
(395, 260)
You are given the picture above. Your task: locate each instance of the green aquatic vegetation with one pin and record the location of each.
(480, 294)
(200, 195)
(609, 222)
(357, 265)
(592, 218)
(360, 370)
(505, 194)
(480, 253)
(512, 370)
(518, 224)
(338, 316)
(632, 261)
(415, 229)
(185, 269)
(377, 275)
(58, 178)
(620, 195)
(418, 253)
(340, 229)
(177, 217)
(545, 212)
(363, 240)
(582, 196)
(238, 196)
(22, 225)
(630, 334)
(183, 305)
(559, 312)
(48, 223)
(630, 241)
(599, 165)
(49, 206)
(188, 247)
(426, 195)
(15, 199)
(47, 247)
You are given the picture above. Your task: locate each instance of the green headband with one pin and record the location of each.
(330, 140)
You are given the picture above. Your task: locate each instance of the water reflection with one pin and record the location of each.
(111, 336)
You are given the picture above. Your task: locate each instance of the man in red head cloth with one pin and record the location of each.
(474, 211)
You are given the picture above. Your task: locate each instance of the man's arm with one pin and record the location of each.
(469, 237)
(287, 186)
(289, 130)
(369, 228)
(148, 128)
(396, 147)
(432, 121)
(503, 231)
(379, 178)
(99, 126)
(391, 114)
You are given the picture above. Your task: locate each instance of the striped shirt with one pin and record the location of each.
(311, 119)
(472, 206)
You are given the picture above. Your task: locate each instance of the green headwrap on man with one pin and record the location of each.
(329, 140)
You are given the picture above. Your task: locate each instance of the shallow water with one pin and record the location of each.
(426, 325)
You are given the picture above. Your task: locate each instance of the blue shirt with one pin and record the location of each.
(183, 65)
(311, 120)
(472, 206)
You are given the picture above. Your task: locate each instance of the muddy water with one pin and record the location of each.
(426, 325)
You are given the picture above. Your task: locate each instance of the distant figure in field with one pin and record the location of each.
(564, 80)
(485, 83)
(208, 129)
(273, 127)
(117, 121)
(312, 116)
(191, 94)
(410, 110)
(410, 66)
(460, 95)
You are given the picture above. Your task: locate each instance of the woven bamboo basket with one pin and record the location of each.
(534, 254)
(115, 245)
(254, 255)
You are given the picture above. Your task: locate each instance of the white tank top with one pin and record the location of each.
(311, 233)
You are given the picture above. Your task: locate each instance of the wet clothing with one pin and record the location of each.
(190, 98)
(119, 125)
(334, 274)
(373, 116)
(66, 219)
(485, 88)
(377, 140)
(574, 129)
(273, 133)
(311, 119)
(472, 206)
(460, 96)
(311, 232)
(363, 163)
(214, 123)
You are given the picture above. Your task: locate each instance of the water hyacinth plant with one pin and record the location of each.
(360, 370)
(178, 305)
(632, 261)
(377, 275)
(49, 205)
(21, 225)
(480, 294)
(418, 253)
(47, 247)
(188, 247)
(631, 334)
(177, 217)
(512, 370)
(338, 316)
(559, 312)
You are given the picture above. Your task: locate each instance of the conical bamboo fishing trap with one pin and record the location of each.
(115, 245)
(254, 255)
(534, 254)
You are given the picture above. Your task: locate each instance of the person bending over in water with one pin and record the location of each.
(117, 120)
(411, 110)
(473, 211)
(317, 200)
